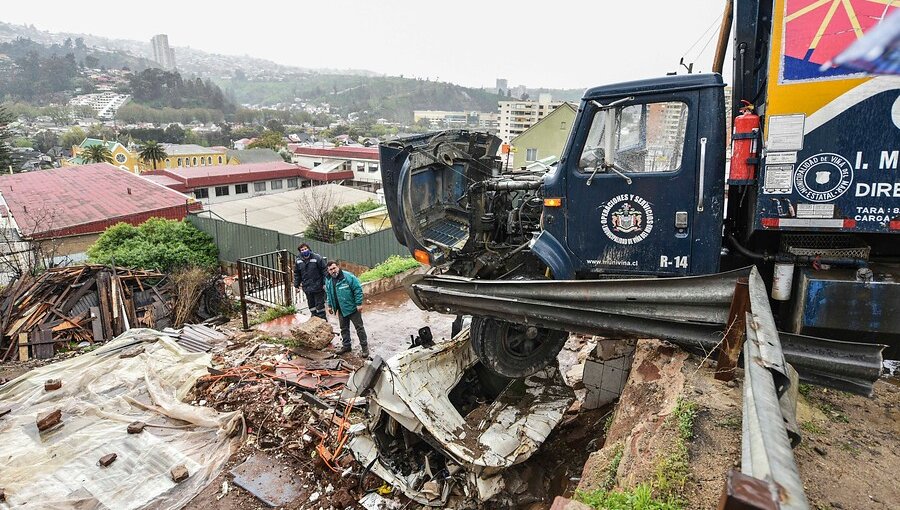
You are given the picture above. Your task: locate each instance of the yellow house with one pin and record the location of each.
(546, 137)
(189, 155)
(122, 157)
(369, 223)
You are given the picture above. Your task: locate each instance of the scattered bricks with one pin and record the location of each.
(47, 420)
(134, 351)
(107, 459)
(52, 384)
(136, 427)
(179, 473)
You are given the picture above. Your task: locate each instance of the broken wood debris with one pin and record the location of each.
(88, 303)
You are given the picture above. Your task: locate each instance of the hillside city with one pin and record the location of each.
(668, 293)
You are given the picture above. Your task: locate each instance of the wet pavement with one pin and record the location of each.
(390, 318)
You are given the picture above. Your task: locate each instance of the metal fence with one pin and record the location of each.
(265, 279)
(236, 241)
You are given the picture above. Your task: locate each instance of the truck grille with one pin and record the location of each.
(825, 245)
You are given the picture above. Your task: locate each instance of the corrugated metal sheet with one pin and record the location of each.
(236, 241)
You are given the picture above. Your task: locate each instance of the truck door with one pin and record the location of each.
(637, 210)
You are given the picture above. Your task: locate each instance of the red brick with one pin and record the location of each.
(136, 427)
(108, 459)
(47, 420)
(52, 384)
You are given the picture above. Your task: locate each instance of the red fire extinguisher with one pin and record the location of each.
(745, 147)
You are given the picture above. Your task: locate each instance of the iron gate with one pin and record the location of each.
(265, 279)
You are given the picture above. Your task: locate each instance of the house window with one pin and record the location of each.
(240, 189)
(168, 163)
(360, 167)
(202, 162)
(373, 167)
(259, 186)
(179, 162)
(120, 158)
(316, 163)
(194, 162)
(220, 160)
(201, 193)
(530, 154)
(292, 182)
(221, 191)
(277, 184)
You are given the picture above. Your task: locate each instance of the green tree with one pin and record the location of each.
(160, 244)
(73, 136)
(97, 153)
(152, 153)
(268, 140)
(5, 152)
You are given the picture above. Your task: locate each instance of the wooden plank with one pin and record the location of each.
(43, 347)
(96, 324)
(23, 346)
(77, 295)
(105, 305)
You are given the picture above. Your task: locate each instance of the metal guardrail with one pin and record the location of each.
(769, 411)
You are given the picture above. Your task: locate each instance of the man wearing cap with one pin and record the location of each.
(309, 274)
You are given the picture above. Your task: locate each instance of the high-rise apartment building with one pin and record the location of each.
(518, 115)
(162, 53)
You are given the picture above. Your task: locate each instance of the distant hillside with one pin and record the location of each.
(382, 96)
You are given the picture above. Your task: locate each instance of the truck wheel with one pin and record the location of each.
(514, 350)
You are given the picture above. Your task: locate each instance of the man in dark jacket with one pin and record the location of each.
(345, 298)
(309, 274)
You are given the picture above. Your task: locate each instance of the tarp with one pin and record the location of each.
(101, 394)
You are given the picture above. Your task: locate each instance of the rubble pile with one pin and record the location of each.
(78, 304)
(297, 423)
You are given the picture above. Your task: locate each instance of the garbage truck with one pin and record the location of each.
(652, 183)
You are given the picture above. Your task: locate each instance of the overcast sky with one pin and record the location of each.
(556, 43)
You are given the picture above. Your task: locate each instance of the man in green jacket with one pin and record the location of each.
(344, 296)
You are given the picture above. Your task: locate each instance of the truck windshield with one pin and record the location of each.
(647, 137)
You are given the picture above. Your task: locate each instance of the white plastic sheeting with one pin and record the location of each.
(101, 394)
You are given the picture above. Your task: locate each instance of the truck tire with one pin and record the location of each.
(514, 350)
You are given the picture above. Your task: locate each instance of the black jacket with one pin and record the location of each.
(310, 272)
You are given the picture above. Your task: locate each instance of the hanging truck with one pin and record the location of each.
(644, 188)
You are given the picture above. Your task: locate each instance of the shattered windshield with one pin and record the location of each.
(646, 137)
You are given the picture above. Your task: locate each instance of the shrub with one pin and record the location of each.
(394, 265)
(159, 244)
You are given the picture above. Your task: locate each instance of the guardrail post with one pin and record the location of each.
(730, 350)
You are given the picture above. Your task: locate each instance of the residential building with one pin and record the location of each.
(502, 86)
(74, 204)
(545, 138)
(369, 222)
(439, 119)
(106, 104)
(225, 183)
(243, 143)
(518, 115)
(122, 157)
(190, 155)
(361, 162)
(162, 53)
(236, 157)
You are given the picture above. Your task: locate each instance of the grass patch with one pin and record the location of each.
(607, 423)
(805, 389)
(731, 422)
(834, 413)
(273, 313)
(812, 427)
(850, 447)
(393, 266)
(639, 497)
(685, 412)
(610, 481)
(673, 471)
